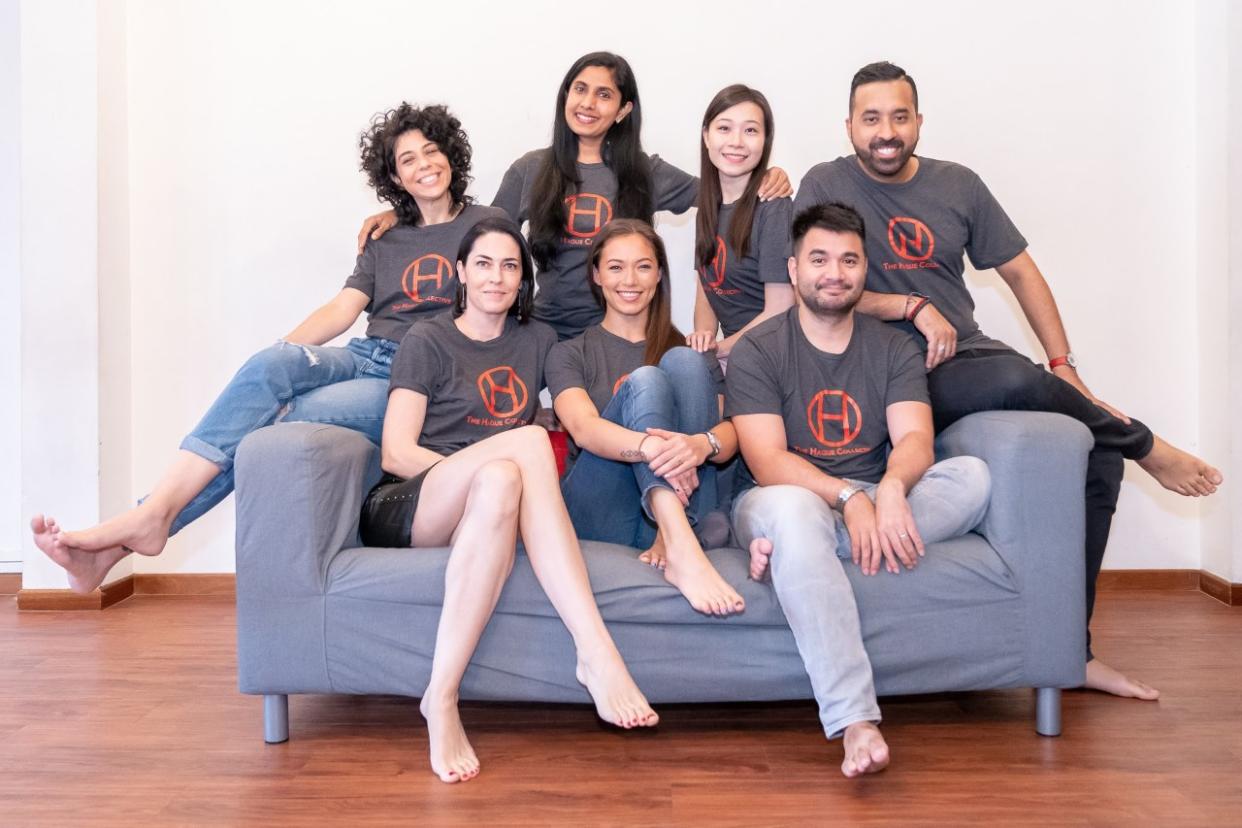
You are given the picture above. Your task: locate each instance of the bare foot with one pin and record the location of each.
(1179, 471)
(655, 555)
(617, 698)
(142, 529)
(688, 569)
(760, 555)
(865, 750)
(1109, 680)
(452, 757)
(87, 570)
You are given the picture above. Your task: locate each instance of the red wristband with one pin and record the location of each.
(1058, 362)
(918, 306)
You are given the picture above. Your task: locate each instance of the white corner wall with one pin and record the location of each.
(241, 123)
(10, 288)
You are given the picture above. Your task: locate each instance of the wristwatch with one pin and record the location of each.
(1069, 359)
(711, 438)
(849, 491)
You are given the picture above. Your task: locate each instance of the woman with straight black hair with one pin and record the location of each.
(594, 171)
(741, 243)
(465, 469)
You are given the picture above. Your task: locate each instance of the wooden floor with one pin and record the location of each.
(132, 716)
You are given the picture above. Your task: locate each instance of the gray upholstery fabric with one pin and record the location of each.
(316, 613)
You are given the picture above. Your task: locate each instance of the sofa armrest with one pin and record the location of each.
(1036, 523)
(300, 488)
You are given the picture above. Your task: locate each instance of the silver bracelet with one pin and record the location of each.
(711, 438)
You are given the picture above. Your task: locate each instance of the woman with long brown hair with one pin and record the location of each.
(643, 412)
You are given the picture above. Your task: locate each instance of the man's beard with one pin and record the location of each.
(838, 308)
(886, 167)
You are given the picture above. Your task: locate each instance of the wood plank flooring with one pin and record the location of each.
(132, 716)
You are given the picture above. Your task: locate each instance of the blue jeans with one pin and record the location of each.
(608, 499)
(291, 383)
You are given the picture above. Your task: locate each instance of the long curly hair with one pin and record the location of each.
(378, 144)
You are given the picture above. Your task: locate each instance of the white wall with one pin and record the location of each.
(10, 287)
(244, 195)
(1219, 246)
(59, 278)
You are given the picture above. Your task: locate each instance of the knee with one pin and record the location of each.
(647, 378)
(682, 360)
(278, 360)
(497, 487)
(776, 510)
(970, 479)
(531, 443)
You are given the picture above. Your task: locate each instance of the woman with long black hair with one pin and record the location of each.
(465, 469)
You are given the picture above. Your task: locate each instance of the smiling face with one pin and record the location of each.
(735, 138)
(628, 274)
(884, 128)
(422, 170)
(829, 271)
(593, 103)
(491, 274)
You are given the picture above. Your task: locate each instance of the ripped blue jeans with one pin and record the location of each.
(290, 383)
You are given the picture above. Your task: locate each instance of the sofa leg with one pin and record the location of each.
(275, 719)
(1048, 711)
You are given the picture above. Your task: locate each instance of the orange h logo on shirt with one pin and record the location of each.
(588, 213)
(430, 268)
(910, 239)
(499, 383)
(834, 407)
(713, 275)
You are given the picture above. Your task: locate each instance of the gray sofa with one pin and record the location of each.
(317, 613)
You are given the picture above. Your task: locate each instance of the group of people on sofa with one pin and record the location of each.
(834, 336)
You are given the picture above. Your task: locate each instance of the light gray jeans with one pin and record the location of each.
(809, 541)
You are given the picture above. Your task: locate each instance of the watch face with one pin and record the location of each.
(1071, 360)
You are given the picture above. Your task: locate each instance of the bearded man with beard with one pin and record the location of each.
(833, 420)
(926, 216)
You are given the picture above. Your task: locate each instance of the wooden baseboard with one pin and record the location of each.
(1220, 589)
(225, 584)
(142, 584)
(10, 583)
(1178, 579)
(186, 584)
(65, 599)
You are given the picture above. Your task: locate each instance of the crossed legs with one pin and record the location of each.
(478, 500)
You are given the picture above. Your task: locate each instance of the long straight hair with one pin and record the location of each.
(710, 197)
(557, 178)
(661, 333)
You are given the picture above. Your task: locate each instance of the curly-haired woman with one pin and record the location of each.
(594, 171)
(416, 159)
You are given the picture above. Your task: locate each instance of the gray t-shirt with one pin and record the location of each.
(919, 232)
(599, 361)
(834, 405)
(411, 272)
(564, 299)
(734, 286)
(473, 389)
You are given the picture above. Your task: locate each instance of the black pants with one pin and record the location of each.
(991, 380)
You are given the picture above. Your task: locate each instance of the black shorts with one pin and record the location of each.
(388, 511)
